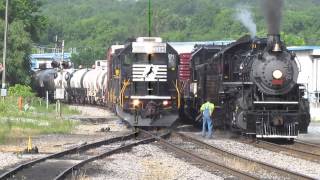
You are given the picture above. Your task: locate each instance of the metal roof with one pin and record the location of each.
(187, 47)
(54, 56)
(303, 48)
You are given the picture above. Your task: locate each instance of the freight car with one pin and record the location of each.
(143, 85)
(43, 82)
(254, 84)
(87, 86)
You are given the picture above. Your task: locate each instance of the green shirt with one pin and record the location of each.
(207, 105)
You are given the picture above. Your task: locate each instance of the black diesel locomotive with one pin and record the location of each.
(254, 84)
(143, 82)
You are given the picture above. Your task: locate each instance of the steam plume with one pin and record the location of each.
(273, 13)
(245, 17)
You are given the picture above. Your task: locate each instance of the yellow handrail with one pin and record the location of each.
(123, 89)
(178, 93)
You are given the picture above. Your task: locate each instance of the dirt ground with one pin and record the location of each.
(90, 122)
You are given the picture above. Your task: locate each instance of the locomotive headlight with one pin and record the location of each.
(277, 74)
(136, 102)
(165, 103)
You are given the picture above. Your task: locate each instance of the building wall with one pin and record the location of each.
(309, 77)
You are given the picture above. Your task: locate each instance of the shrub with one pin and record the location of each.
(3, 107)
(21, 90)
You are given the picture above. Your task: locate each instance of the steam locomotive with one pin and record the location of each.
(253, 82)
(143, 82)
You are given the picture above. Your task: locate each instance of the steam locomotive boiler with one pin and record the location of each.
(143, 83)
(254, 84)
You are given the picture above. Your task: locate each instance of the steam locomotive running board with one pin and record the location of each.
(164, 121)
(275, 136)
(275, 102)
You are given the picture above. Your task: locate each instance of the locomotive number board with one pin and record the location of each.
(149, 47)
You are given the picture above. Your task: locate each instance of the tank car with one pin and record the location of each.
(87, 86)
(43, 82)
(254, 84)
(143, 84)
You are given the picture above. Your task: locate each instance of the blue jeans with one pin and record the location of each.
(207, 122)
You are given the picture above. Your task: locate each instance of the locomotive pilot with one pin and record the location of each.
(207, 110)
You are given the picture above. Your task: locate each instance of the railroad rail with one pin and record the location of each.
(299, 149)
(204, 161)
(246, 161)
(25, 170)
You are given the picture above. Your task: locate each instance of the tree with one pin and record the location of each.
(25, 24)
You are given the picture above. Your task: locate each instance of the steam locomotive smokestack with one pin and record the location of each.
(273, 14)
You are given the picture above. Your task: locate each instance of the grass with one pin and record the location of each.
(15, 124)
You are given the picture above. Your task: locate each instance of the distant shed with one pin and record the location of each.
(44, 60)
(308, 58)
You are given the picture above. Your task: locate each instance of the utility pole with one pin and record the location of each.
(61, 76)
(150, 14)
(3, 88)
(55, 44)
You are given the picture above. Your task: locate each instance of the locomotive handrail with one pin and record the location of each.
(237, 83)
(178, 93)
(125, 85)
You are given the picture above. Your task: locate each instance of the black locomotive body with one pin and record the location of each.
(143, 84)
(253, 82)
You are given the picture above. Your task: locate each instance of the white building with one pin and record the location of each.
(308, 59)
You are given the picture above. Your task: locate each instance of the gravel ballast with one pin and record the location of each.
(146, 162)
(277, 159)
(85, 132)
(9, 159)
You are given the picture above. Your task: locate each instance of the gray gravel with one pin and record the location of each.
(147, 162)
(277, 159)
(9, 159)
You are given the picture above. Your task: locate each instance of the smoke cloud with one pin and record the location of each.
(273, 14)
(245, 17)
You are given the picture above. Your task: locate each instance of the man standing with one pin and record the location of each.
(207, 110)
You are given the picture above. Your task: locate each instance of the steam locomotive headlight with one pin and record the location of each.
(165, 103)
(135, 102)
(277, 74)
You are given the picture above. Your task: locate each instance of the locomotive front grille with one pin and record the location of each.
(275, 125)
(265, 130)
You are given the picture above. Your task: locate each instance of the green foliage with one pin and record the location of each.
(292, 39)
(21, 90)
(26, 11)
(96, 25)
(3, 107)
(25, 25)
(15, 124)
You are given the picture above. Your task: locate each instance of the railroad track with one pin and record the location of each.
(299, 149)
(203, 161)
(239, 166)
(59, 165)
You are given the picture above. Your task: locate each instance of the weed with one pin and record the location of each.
(38, 119)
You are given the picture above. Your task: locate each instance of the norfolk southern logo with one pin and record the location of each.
(149, 72)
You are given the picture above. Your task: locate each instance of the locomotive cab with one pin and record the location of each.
(145, 83)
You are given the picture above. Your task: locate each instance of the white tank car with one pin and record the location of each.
(93, 82)
(89, 82)
(76, 92)
(65, 77)
(102, 65)
(75, 81)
